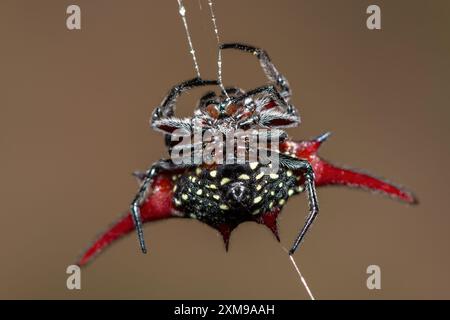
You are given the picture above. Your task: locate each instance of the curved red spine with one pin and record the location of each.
(157, 206)
(329, 174)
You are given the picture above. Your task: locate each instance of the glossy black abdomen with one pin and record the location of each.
(233, 193)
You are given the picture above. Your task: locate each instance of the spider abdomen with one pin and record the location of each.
(233, 193)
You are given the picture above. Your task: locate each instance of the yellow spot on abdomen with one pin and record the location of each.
(257, 199)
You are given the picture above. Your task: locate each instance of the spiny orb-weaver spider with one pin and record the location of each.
(225, 195)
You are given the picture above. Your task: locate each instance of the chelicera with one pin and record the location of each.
(224, 195)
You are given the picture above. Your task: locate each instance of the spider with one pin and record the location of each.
(224, 195)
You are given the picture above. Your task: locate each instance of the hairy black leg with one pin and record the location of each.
(271, 92)
(166, 108)
(148, 177)
(234, 91)
(304, 167)
(268, 67)
(163, 116)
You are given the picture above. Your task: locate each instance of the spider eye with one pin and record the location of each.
(231, 109)
(213, 111)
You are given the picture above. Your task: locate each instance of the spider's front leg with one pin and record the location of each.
(167, 106)
(268, 67)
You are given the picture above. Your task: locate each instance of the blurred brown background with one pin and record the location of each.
(74, 110)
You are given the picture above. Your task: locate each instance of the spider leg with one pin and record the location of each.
(166, 108)
(313, 206)
(268, 67)
(270, 91)
(307, 170)
(170, 124)
(234, 91)
(276, 119)
(150, 174)
(270, 117)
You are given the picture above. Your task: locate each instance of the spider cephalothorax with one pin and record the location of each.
(224, 194)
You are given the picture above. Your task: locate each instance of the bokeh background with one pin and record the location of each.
(74, 110)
